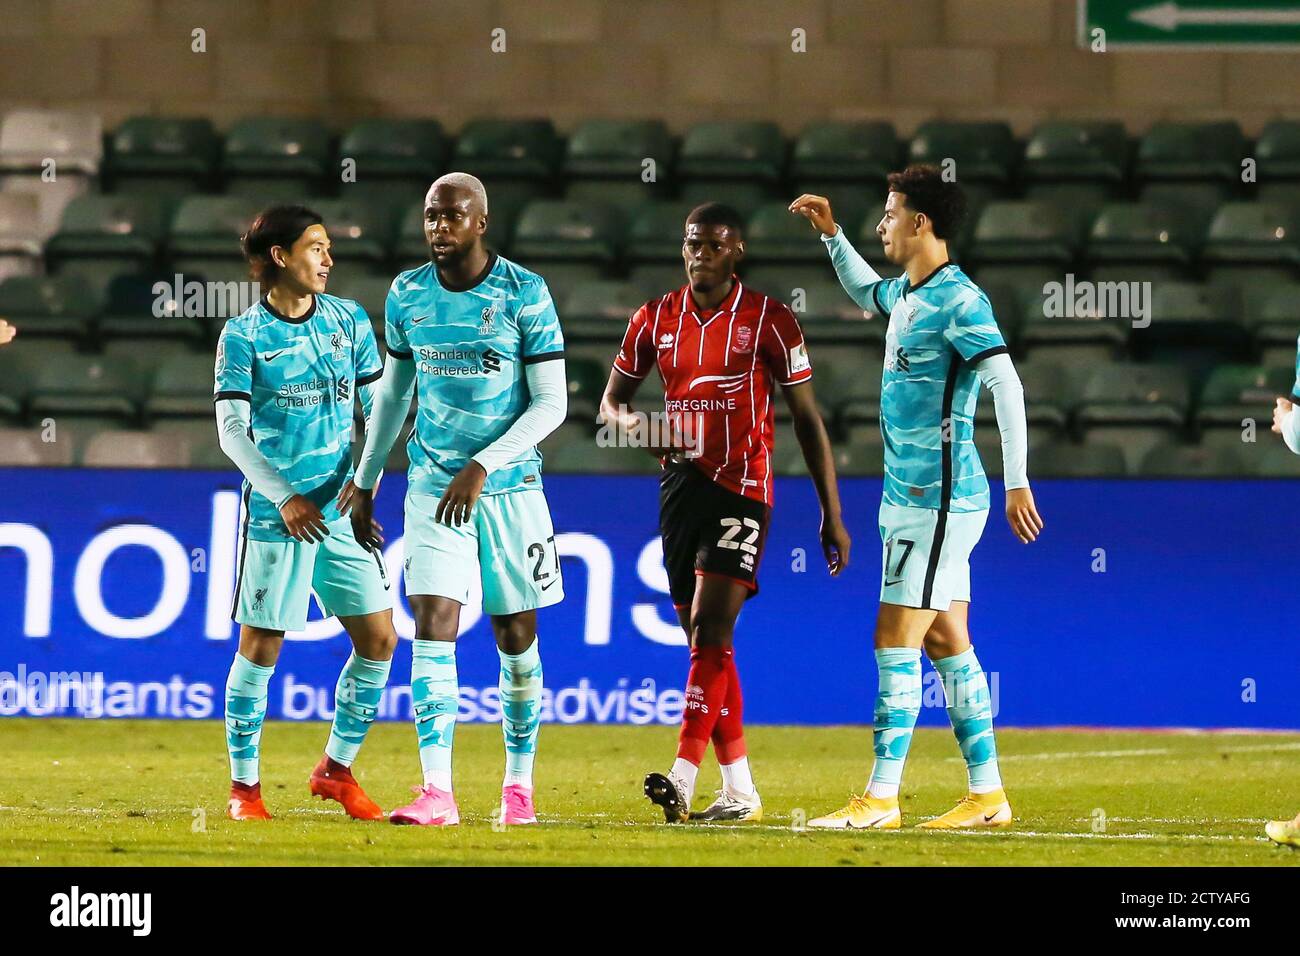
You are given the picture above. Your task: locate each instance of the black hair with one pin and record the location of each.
(716, 214)
(941, 200)
(280, 225)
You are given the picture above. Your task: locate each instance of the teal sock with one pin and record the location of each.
(356, 701)
(435, 698)
(898, 702)
(521, 711)
(245, 712)
(971, 711)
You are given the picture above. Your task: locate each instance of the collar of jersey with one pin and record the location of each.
(938, 269)
(475, 282)
(276, 313)
(690, 305)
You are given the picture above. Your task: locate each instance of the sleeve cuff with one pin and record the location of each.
(397, 354)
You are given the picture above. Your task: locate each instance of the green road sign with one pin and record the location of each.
(1164, 24)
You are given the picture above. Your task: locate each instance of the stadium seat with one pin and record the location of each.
(1194, 325)
(205, 233)
(163, 156)
(1066, 460)
(396, 159)
(654, 234)
(84, 385)
(1061, 325)
(1278, 151)
(21, 238)
(1049, 401)
(1134, 406)
(362, 233)
(586, 382)
(843, 159)
(20, 364)
(826, 301)
(509, 149)
(560, 231)
(594, 316)
(23, 447)
(1142, 242)
(56, 306)
(276, 157)
(604, 161)
(856, 395)
(1235, 395)
(135, 449)
(1210, 151)
(181, 388)
(1250, 241)
(30, 138)
(1062, 152)
(1271, 311)
(1025, 232)
(135, 308)
(1190, 461)
(115, 234)
(852, 459)
(737, 162)
(371, 292)
(984, 154)
(1270, 458)
(775, 235)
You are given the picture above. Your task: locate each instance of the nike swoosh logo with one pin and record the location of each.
(890, 584)
(545, 586)
(271, 356)
(988, 817)
(419, 320)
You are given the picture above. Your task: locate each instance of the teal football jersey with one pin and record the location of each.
(299, 377)
(470, 349)
(938, 332)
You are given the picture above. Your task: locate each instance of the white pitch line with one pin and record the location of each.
(1145, 752)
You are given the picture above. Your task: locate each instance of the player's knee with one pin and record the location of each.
(712, 629)
(439, 624)
(514, 634)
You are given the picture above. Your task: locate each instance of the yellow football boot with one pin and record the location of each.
(862, 813)
(1285, 832)
(974, 810)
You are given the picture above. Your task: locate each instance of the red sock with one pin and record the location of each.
(729, 731)
(706, 689)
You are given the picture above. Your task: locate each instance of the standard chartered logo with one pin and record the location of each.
(456, 362)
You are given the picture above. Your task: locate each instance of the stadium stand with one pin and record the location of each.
(162, 197)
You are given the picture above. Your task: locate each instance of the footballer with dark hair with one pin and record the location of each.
(720, 348)
(942, 342)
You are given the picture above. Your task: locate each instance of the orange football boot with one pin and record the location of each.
(333, 781)
(246, 802)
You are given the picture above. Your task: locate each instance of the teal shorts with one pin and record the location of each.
(926, 561)
(508, 544)
(276, 579)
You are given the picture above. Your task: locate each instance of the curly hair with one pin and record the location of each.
(927, 192)
(277, 226)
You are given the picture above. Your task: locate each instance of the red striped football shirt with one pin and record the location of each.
(718, 370)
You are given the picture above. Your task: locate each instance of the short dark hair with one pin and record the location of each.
(716, 214)
(942, 201)
(280, 225)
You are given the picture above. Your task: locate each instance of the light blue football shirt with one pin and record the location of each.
(470, 348)
(299, 377)
(938, 332)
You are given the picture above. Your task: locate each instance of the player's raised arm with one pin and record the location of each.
(855, 273)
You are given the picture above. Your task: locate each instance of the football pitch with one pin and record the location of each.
(83, 792)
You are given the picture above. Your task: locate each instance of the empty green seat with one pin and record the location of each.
(555, 230)
(844, 152)
(527, 149)
(85, 385)
(1271, 311)
(1144, 237)
(605, 161)
(1253, 232)
(737, 150)
(602, 302)
(264, 154)
(1278, 151)
(586, 383)
(1234, 396)
(1050, 397)
(1270, 458)
(181, 387)
(774, 234)
(211, 226)
(1210, 151)
(406, 150)
(167, 155)
(1010, 231)
(853, 458)
(825, 301)
(122, 229)
(982, 151)
(1135, 406)
(655, 233)
(370, 291)
(1076, 152)
(1190, 461)
(145, 307)
(359, 229)
(1068, 460)
(60, 306)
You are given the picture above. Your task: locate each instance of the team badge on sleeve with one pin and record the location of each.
(799, 359)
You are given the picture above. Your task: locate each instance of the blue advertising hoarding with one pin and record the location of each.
(1144, 604)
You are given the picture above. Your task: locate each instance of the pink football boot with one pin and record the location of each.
(517, 805)
(432, 808)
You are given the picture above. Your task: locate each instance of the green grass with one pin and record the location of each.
(81, 792)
